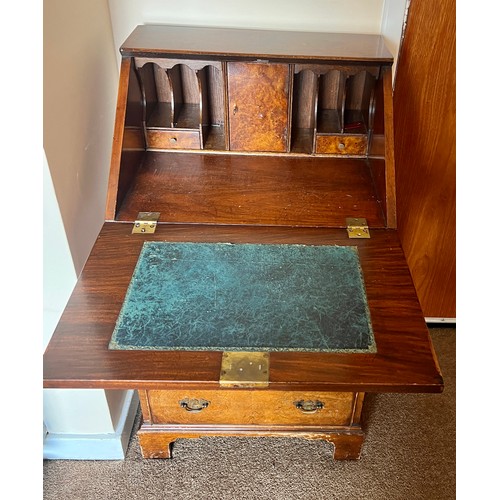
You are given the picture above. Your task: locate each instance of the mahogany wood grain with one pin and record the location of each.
(425, 148)
(78, 354)
(116, 151)
(305, 90)
(230, 43)
(258, 106)
(264, 190)
(125, 162)
(133, 139)
(381, 148)
(390, 168)
(163, 90)
(155, 88)
(358, 91)
(215, 95)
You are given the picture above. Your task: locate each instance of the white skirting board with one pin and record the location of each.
(111, 446)
(450, 321)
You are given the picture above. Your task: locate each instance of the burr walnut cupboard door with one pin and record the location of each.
(258, 106)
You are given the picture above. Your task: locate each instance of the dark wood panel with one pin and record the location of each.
(124, 163)
(305, 89)
(248, 43)
(263, 190)
(78, 354)
(425, 120)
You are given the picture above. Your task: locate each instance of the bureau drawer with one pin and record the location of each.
(342, 144)
(250, 407)
(174, 139)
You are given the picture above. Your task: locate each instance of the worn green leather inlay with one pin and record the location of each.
(243, 297)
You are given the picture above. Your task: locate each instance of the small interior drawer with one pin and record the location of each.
(342, 144)
(174, 139)
(250, 407)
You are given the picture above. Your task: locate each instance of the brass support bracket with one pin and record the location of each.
(244, 369)
(357, 228)
(146, 222)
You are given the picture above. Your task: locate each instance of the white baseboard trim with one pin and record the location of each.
(95, 446)
(451, 321)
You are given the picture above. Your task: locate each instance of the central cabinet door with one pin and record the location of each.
(258, 106)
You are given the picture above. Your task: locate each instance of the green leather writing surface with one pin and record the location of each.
(222, 296)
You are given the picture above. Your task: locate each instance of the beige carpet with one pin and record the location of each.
(409, 453)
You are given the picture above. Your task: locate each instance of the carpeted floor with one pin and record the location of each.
(409, 454)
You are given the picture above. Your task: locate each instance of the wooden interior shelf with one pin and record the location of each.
(218, 105)
(265, 190)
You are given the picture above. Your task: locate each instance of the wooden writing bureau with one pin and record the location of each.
(259, 141)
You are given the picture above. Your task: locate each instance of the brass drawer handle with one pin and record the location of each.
(194, 405)
(309, 406)
(173, 139)
(341, 145)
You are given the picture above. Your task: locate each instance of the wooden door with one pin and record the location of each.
(424, 122)
(258, 106)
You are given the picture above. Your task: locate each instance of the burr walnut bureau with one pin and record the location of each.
(248, 279)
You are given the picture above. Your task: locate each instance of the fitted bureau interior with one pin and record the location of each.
(253, 142)
(183, 104)
(189, 96)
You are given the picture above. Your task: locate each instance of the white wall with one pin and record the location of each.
(348, 16)
(383, 17)
(393, 17)
(58, 269)
(80, 83)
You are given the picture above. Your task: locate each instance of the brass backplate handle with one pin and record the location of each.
(309, 406)
(193, 405)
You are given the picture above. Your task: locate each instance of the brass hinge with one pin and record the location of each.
(244, 369)
(357, 228)
(146, 222)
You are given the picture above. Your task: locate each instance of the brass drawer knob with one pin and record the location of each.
(341, 145)
(173, 139)
(309, 406)
(194, 405)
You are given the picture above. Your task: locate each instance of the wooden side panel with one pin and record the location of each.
(425, 120)
(258, 106)
(128, 138)
(146, 413)
(305, 89)
(390, 168)
(381, 147)
(117, 139)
